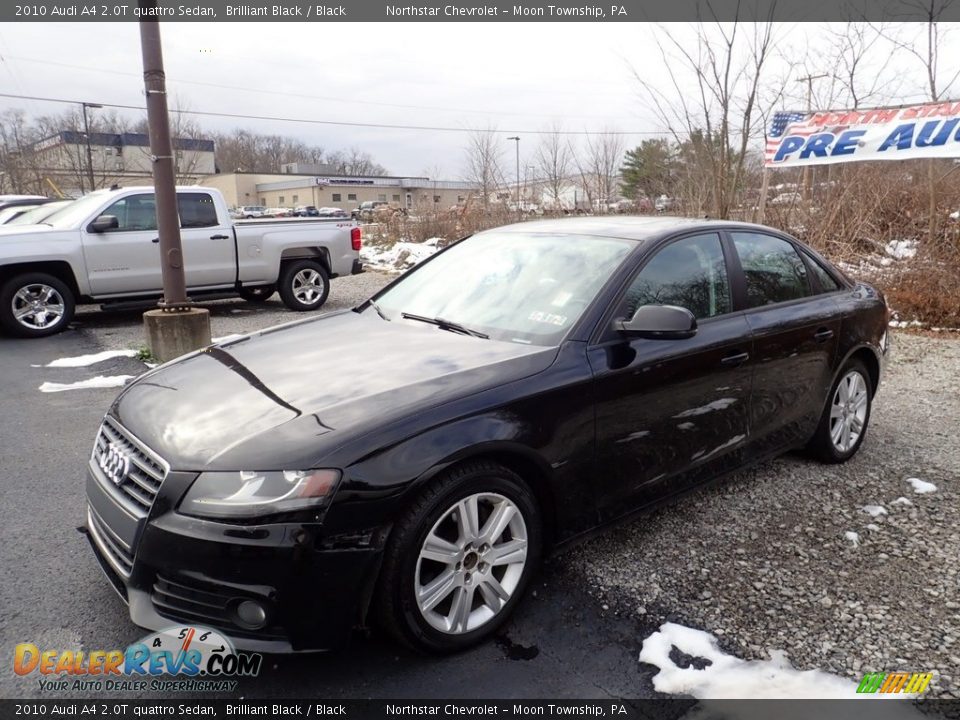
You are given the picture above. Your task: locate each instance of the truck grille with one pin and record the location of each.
(131, 471)
(116, 551)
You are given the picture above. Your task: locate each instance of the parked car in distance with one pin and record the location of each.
(251, 211)
(277, 212)
(306, 211)
(38, 214)
(367, 208)
(664, 203)
(105, 248)
(13, 200)
(487, 407)
(13, 212)
(333, 212)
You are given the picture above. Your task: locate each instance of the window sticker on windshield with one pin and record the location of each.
(549, 318)
(562, 299)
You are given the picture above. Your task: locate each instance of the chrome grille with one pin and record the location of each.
(137, 487)
(115, 550)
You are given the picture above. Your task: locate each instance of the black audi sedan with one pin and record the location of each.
(411, 460)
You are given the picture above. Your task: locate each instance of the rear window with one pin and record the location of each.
(773, 268)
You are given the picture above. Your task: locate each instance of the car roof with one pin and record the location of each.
(638, 228)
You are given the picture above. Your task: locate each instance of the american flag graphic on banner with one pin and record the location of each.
(786, 123)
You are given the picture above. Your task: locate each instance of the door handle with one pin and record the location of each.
(822, 335)
(155, 240)
(735, 359)
(219, 237)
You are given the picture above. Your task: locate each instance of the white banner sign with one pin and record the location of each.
(837, 136)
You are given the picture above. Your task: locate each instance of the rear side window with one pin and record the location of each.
(689, 272)
(774, 270)
(827, 282)
(196, 210)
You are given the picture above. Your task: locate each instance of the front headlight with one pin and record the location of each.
(250, 493)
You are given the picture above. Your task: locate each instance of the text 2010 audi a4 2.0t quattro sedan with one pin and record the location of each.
(412, 459)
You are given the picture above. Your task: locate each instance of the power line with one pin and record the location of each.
(343, 123)
(298, 95)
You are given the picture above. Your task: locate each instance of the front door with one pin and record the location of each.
(669, 412)
(125, 259)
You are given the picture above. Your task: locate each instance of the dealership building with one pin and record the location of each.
(294, 187)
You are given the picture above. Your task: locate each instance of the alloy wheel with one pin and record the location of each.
(38, 306)
(470, 563)
(307, 286)
(848, 411)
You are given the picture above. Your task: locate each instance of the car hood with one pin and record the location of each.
(287, 396)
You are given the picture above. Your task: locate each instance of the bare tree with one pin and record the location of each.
(484, 163)
(553, 162)
(723, 67)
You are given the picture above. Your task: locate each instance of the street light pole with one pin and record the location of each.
(176, 327)
(517, 140)
(86, 135)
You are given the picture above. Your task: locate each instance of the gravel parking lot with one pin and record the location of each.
(766, 560)
(762, 560)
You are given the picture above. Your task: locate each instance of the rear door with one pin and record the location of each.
(795, 332)
(671, 412)
(209, 254)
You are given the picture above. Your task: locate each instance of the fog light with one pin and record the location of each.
(252, 614)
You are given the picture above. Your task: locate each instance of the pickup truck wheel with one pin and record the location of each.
(35, 305)
(304, 285)
(459, 559)
(258, 294)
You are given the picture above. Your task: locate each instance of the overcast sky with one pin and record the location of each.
(519, 77)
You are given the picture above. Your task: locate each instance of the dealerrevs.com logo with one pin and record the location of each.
(179, 659)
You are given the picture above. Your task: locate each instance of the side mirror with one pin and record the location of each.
(659, 322)
(104, 223)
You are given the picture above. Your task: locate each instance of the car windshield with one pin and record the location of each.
(514, 286)
(78, 211)
(40, 213)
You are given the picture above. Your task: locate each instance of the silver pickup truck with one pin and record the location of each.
(104, 248)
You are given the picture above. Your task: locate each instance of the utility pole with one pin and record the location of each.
(806, 168)
(86, 135)
(517, 140)
(177, 327)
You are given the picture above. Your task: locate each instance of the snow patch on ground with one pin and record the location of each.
(902, 501)
(874, 510)
(226, 338)
(726, 676)
(85, 360)
(101, 381)
(922, 486)
(399, 256)
(853, 537)
(901, 249)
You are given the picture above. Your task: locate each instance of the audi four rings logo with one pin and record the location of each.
(115, 463)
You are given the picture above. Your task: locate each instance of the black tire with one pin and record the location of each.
(289, 285)
(394, 604)
(32, 283)
(258, 294)
(822, 446)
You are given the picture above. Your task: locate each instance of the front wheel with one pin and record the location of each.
(843, 424)
(35, 305)
(459, 559)
(304, 285)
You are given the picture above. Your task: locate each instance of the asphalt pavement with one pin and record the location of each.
(560, 644)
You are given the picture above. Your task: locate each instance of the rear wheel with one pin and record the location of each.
(843, 424)
(459, 559)
(304, 285)
(35, 305)
(258, 294)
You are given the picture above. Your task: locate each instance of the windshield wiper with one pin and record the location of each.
(376, 307)
(446, 325)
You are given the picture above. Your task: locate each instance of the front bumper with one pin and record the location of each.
(174, 569)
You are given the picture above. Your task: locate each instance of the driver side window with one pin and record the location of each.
(689, 272)
(134, 212)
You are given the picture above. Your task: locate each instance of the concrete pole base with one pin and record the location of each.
(172, 334)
